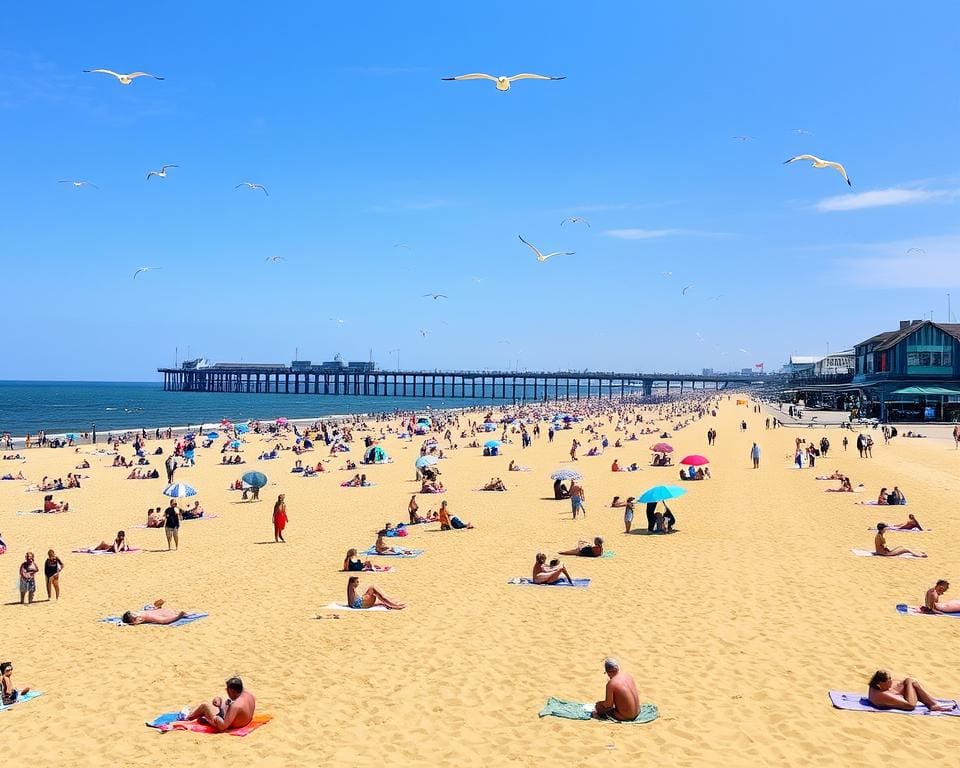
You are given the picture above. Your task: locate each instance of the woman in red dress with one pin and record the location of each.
(279, 519)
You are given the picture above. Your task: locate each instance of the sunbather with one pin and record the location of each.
(9, 694)
(371, 597)
(880, 546)
(548, 574)
(448, 521)
(49, 505)
(495, 484)
(383, 549)
(932, 602)
(585, 549)
(845, 487)
(119, 544)
(912, 524)
(621, 700)
(887, 693)
(227, 714)
(352, 563)
(153, 614)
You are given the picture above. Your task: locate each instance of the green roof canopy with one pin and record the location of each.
(926, 391)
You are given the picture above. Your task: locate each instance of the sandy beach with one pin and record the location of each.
(736, 626)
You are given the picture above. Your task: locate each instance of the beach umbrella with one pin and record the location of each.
(71, 435)
(282, 420)
(254, 479)
(694, 460)
(235, 444)
(179, 490)
(660, 493)
(242, 428)
(212, 435)
(566, 474)
(492, 444)
(425, 461)
(662, 448)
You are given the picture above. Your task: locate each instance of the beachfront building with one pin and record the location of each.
(910, 374)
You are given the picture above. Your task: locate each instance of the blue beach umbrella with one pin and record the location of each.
(661, 493)
(235, 444)
(242, 428)
(189, 436)
(254, 479)
(212, 435)
(179, 490)
(71, 435)
(566, 474)
(492, 444)
(425, 461)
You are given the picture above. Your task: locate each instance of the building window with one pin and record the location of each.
(929, 352)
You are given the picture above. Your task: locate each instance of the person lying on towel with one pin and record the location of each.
(153, 614)
(886, 693)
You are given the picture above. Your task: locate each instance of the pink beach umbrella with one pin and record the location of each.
(282, 420)
(695, 460)
(662, 448)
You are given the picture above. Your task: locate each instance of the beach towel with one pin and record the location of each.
(574, 710)
(909, 610)
(868, 553)
(380, 569)
(188, 619)
(41, 512)
(373, 553)
(856, 702)
(877, 504)
(902, 530)
(131, 551)
(28, 696)
(525, 582)
(345, 607)
(168, 722)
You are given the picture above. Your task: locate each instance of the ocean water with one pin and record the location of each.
(75, 406)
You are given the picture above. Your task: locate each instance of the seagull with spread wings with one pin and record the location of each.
(251, 185)
(162, 173)
(919, 251)
(575, 220)
(436, 296)
(79, 183)
(124, 79)
(275, 259)
(144, 269)
(544, 256)
(424, 332)
(503, 83)
(816, 162)
(685, 289)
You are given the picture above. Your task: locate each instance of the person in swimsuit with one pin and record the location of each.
(548, 574)
(279, 519)
(153, 614)
(880, 546)
(51, 570)
(28, 577)
(9, 694)
(911, 525)
(383, 549)
(621, 702)
(932, 602)
(886, 693)
(412, 508)
(352, 563)
(585, 549)
(119, 544)
(171, 524)
(371, 597)
(882, 498)
(448, 522)
(235, 711)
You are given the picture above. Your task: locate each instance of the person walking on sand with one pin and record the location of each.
(577, 497)
(51, 570)
(755, 456)
(171, 524)
(621, 700)
(28, 577)
(573, 449)
(279, 519)
(171, 466)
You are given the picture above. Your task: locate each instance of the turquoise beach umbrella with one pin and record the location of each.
(661, 493)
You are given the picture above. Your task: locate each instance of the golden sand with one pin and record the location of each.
(736, 626)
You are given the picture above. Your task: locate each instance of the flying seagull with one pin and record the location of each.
(476, 280)
(424, 332)
(402, 245)
(667, 274)
(818, 163)
(503, 83)
(78, 183)
(715, 298)
(545, 256)
(125, 79)
(275, 259)
(251, 185)
(744, 138)
(745, 351)
(144, 269)
(685, 289)
(575, 220)
(917, 250)
(503, 341)
(436, 295)
(162, 173)
(803, 131)
(336, 320)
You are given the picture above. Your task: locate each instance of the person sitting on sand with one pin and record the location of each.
(352, 563)
(383, 549)
(585, 549)
(886, 693)
(880, 546)
(51, 506)
(548, 574)
(83, 464)
(837, 475)
(370, 598)
(119, 544)
(932, 603)
(896, 496)
(845, 487)
(155, 518)
(495, 484)
(195, 513)
(882, 498)
(621, 700)
(448, 521)
(617, 503)
(8, 694)
(153, 614)
(615, 467)
(235, 711)
(560, 490)
(912, 524)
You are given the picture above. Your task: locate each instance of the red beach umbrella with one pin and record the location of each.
(694, 460)
(662, 448)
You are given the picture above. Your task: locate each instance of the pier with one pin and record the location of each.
(366, 380)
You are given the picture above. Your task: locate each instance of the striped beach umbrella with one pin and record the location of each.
(566, 474)
(179, 490)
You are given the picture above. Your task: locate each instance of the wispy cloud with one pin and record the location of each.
(879, 198)
(652, 234)
(595, 207)
(926, 262)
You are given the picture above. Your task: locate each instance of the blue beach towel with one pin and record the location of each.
(188, 619)
(575, 710)
(856, 702)
(909, 610)
(372, 552)
(525, 582)
(28, 696)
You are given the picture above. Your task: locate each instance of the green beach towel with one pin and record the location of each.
(575, 710)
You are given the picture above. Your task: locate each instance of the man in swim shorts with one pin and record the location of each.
(622, 702)
(153, 614)
(577, 497)
(227, 714)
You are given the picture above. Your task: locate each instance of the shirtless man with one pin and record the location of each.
(622, 701)
(235, 711)
(931, 601)
(577, 497)
(887, 693)
(153, 614)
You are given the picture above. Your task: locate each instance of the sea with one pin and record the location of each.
(76, 406)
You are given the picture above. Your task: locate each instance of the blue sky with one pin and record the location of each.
(340, 112)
